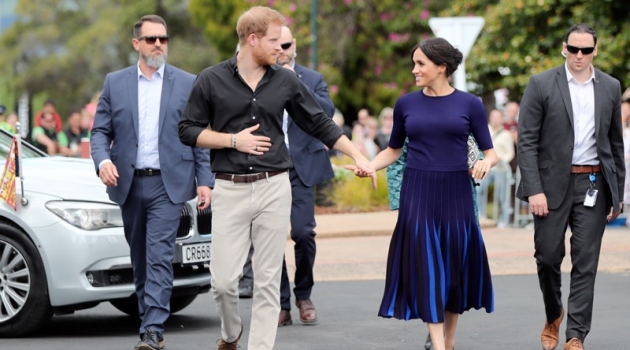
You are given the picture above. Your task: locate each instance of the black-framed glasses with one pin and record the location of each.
(286, 45)
(151, 39)
(585, 50)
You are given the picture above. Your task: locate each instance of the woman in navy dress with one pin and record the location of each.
(437, 266)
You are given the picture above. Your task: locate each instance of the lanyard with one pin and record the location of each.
(592, 177)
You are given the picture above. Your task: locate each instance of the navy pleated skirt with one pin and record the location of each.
(437, 260)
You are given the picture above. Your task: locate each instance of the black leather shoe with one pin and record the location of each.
(150, 340)
(245, 292)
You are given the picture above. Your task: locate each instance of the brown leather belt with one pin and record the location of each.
(585, 169)
(248, 178)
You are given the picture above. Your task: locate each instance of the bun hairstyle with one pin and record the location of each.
(440, 52)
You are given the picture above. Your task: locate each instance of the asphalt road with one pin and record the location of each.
(347, 320)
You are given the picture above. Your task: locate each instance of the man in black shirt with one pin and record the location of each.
(243, 100)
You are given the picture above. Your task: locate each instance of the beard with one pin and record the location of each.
(155, 60)
(286, 59)
(261, 58)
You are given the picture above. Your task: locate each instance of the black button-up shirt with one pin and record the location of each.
(221, 98)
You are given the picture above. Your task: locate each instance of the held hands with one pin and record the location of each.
(246, 142)
(363, 168)
(204, 197)
(108, 174)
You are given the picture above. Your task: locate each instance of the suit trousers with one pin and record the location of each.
(303, 234)
(246, 214)
(150, 222)
(587, 229)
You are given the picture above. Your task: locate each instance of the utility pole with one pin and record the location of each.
(314, 62)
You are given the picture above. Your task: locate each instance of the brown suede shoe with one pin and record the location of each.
(285, 318)
(551, 333)
(308, 314)
(574, 344)
(223, 345)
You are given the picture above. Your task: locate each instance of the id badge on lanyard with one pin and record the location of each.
(591, 193)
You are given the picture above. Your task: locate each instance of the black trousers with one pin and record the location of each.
(303, 234)
(587, 229)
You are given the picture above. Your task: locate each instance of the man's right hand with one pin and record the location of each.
(108, 174)
(538, 204)
(247, 142)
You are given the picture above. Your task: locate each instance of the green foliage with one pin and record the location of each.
(63, 49)
(218, 20)
(353, 194)
(526, 36)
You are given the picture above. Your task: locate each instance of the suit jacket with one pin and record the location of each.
(115, 135)
(546, 136)
(310, 157)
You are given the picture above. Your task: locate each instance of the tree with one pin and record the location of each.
(524, 37)
(63, 49)
(218, 19)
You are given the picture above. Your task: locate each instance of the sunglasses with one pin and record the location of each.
(585, 50)
(153, 38)
(286, 45)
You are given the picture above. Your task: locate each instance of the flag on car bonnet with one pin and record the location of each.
(7, 186)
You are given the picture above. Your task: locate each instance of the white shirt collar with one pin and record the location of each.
(160, 71)
(570, 76)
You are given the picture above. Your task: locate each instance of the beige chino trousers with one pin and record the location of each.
(245, 214)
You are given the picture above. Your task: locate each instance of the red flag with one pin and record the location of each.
(7, 186)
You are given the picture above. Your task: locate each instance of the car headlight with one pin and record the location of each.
(87, 215)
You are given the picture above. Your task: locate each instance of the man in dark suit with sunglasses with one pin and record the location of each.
(311, 166)
(148, 172)
(571, 157)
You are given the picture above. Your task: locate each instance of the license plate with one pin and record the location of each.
(194, 253)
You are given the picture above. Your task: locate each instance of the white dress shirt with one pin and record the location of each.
(583, 104)
(285, 122)
(149, 98)
(285, 127)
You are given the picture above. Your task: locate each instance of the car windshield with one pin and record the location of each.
(27, 150)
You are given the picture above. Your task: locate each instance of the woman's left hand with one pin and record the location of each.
(481, 169)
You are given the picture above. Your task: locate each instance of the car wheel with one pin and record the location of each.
(130, 305)
(24, 302)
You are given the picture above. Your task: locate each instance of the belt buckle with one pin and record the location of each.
(150, 172)
(257, 177)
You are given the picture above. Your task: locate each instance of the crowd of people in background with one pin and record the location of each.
(50, 134)
(368, 133)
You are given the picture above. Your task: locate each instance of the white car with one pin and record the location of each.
(64, 248)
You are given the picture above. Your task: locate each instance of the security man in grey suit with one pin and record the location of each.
(148, 172)
(571, 157)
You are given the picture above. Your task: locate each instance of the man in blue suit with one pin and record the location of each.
(311, 166)
(148, 172)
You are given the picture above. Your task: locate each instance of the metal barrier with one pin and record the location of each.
(506, 209)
